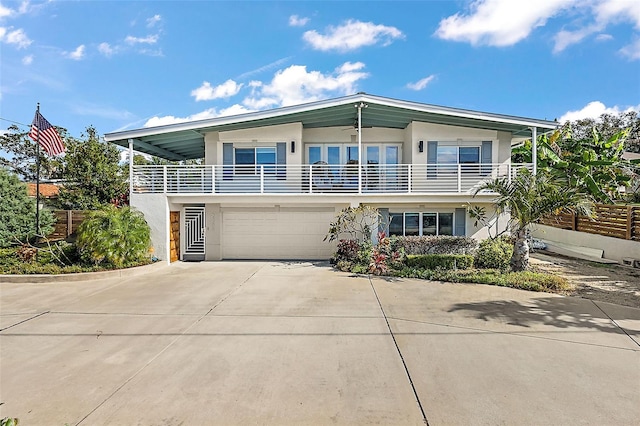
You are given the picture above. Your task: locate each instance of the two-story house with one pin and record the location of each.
(272, 181)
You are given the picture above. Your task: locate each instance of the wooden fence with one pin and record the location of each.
(618, 221)
(66, 224)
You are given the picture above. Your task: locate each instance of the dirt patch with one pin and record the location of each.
(602, 282)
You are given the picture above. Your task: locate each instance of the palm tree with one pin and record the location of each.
(528, 198)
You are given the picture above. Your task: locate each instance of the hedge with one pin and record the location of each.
(440, 261)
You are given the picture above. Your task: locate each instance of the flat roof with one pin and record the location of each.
(182, 141)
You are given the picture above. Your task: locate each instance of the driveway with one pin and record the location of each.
(298, 343)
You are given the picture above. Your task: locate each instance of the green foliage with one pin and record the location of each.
(114, 237)
(17, 212)
(437, 245)
(589, 161)
(9, 421)
(494, 253)
(346, 250)
(440, 261)
(356, 222)
(525, 280)
(22, 158)
(92, 173)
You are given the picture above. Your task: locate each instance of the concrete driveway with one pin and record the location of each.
(297, 343)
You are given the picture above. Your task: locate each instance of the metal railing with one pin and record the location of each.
(318, 178)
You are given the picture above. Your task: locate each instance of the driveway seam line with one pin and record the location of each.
(404, 364)
(615, 323)
(25, 320)
(134, 375)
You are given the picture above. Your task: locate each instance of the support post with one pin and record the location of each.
(360, 106)
(130, 170)
(534, 149)
(38, 178)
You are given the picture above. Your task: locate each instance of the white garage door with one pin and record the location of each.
(283, 234)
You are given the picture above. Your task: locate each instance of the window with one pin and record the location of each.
(420, 224)
(249, 160)
(450, 156)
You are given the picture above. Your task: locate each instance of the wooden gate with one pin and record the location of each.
(174, 235)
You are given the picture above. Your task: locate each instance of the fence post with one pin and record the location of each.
(69, 222)
(629, 221)
(574, 221)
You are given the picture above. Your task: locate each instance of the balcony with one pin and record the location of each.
(318, 179)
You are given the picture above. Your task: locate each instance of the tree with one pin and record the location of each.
(591, 162)
(18, 211)
(527, 198)
(608, 125)
(20, 157)
(92, 174)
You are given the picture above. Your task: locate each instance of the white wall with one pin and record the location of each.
(156, 212)
(614, 248)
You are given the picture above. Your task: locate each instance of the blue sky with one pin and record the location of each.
(120, 65)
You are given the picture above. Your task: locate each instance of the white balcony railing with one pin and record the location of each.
(318, 178)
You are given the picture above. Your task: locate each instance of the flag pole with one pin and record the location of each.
(38, 178)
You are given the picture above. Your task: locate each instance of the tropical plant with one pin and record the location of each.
(18, 213)
(591, 162)
(528, 197)
(494, 253)
(356, 222)
(114, 236)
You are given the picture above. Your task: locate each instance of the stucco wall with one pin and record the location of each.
(156, 212)
(614, 248)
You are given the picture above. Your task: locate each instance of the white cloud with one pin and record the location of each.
(594, 110)
(206, 92)
(151, 22)
(604, 37)
(263, 68)
(16, 37)
(296, 21)
(106, 49)
(352, 35)
(295, 85)
(5, 11)
(632, 51)
(203, 115)
(499, 22)
(77, 54)
(421, 84)
(150, 39)
(27, 60)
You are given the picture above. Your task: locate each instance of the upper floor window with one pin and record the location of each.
(249, 160)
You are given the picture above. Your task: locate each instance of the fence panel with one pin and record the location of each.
(618, 221)
(67, 223)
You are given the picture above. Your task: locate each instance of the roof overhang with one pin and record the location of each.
(182, 141)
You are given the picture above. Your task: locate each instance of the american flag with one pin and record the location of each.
(42, 131)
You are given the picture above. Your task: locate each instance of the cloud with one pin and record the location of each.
(296, 21)
(604, 37)
(5, 11)
(155, 19)
(95, 110)
(295, 85)
(150, 39)
(27, 60)
(106, 49)
(498, 22)
(352, 35)
(594, 110)
(632, 51)
(206, 92)
(263, 68)
(16, 37)
(421, 84)
(77, 54)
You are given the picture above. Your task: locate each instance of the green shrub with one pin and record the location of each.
(442, 244)
(346, 250)
(18, 212)
(494, 254)
(114, 237)
(440, 261)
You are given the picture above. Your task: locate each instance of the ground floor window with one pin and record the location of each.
(421, 224)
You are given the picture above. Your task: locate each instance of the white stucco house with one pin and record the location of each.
(274, 180)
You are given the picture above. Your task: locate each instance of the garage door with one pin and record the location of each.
(282, 234)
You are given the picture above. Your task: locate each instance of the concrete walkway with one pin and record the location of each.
(235, 343)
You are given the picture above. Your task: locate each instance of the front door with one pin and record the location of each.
(194, 233)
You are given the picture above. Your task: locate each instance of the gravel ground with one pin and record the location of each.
(603, 282)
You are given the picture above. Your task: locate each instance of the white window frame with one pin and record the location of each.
(256, 165)
(421, 221)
